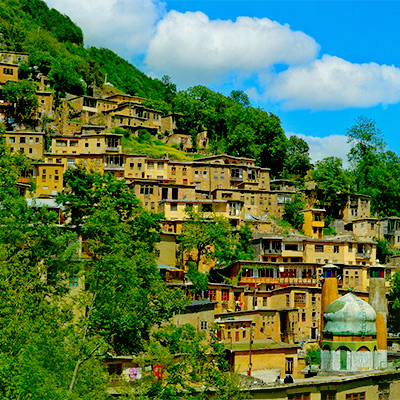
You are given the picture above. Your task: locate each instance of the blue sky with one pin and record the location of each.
(316, 64)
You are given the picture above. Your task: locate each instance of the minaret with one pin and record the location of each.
(377, 299)
(330, 290)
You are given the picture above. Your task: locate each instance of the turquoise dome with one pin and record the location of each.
(349, 316)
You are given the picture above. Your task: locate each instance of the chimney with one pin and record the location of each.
(377, 299)
(330, 290)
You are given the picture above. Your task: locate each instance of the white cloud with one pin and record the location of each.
(191, 48)
(332, 83)
(124, 26)
(328, 146)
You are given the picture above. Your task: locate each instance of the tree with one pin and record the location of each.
(239, 96)
(36, 324)
(313, 354)
(65, 79)
(124, 296)
(394, 303)
(212, 239)
(292, 212)
(366, 140)
(374, 168)
(22, 98)
(297, 160)
(198, 367)
(382, 251)
(333, 184)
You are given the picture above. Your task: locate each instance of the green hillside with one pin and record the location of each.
(55, 45)
(56, 49)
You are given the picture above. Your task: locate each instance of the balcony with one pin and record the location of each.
(114, 167)
(363, 255)
(111, 148)
(272, 251)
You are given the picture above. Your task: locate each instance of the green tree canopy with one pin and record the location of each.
(297, 159)
(22, 98)
(333, 184)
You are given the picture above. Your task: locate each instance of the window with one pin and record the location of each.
(196, 174)
(61, 143)
(71, 162)
(244, 335)
(115, 369)
(31, 140)
(355, 396)
(305, 396)
(30, 151)
(11, 140)
(150, 165)
(160, 165)
(139, 166)
(73, 143)
(212, 294)
(22, 140)
(146, 190)
(173, 171)
(350, 247)
(37, 140)
(265, 301)
(225, 295)
(174, 207)
(319, 248)
(328, 396)
(289, 366)
(287, 300)
(336, 249)
(317, 217)
(299, 299)
(8, 71)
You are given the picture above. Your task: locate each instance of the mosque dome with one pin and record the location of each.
(349, 316)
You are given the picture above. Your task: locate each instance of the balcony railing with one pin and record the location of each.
(363, 255)
(112, 148)
(114, 167)
(272, 251)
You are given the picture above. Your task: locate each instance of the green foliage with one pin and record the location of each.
(382, 250)
(126, 77)
(36, 324)
(313, 354)
(333, 184)
(192, 367)
(240, 97)
(212, 239)
(244, 248)
(233, 127)
(198, 279)
(292, 213)
(22, 98)
(53, 21)
(394, 302)
(374, 168)
(297, 159)
(125, 296)
(65, 79)
(146, 144)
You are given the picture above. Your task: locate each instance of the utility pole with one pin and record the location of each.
(251, 343)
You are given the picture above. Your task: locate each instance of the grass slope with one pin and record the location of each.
(154, 148)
